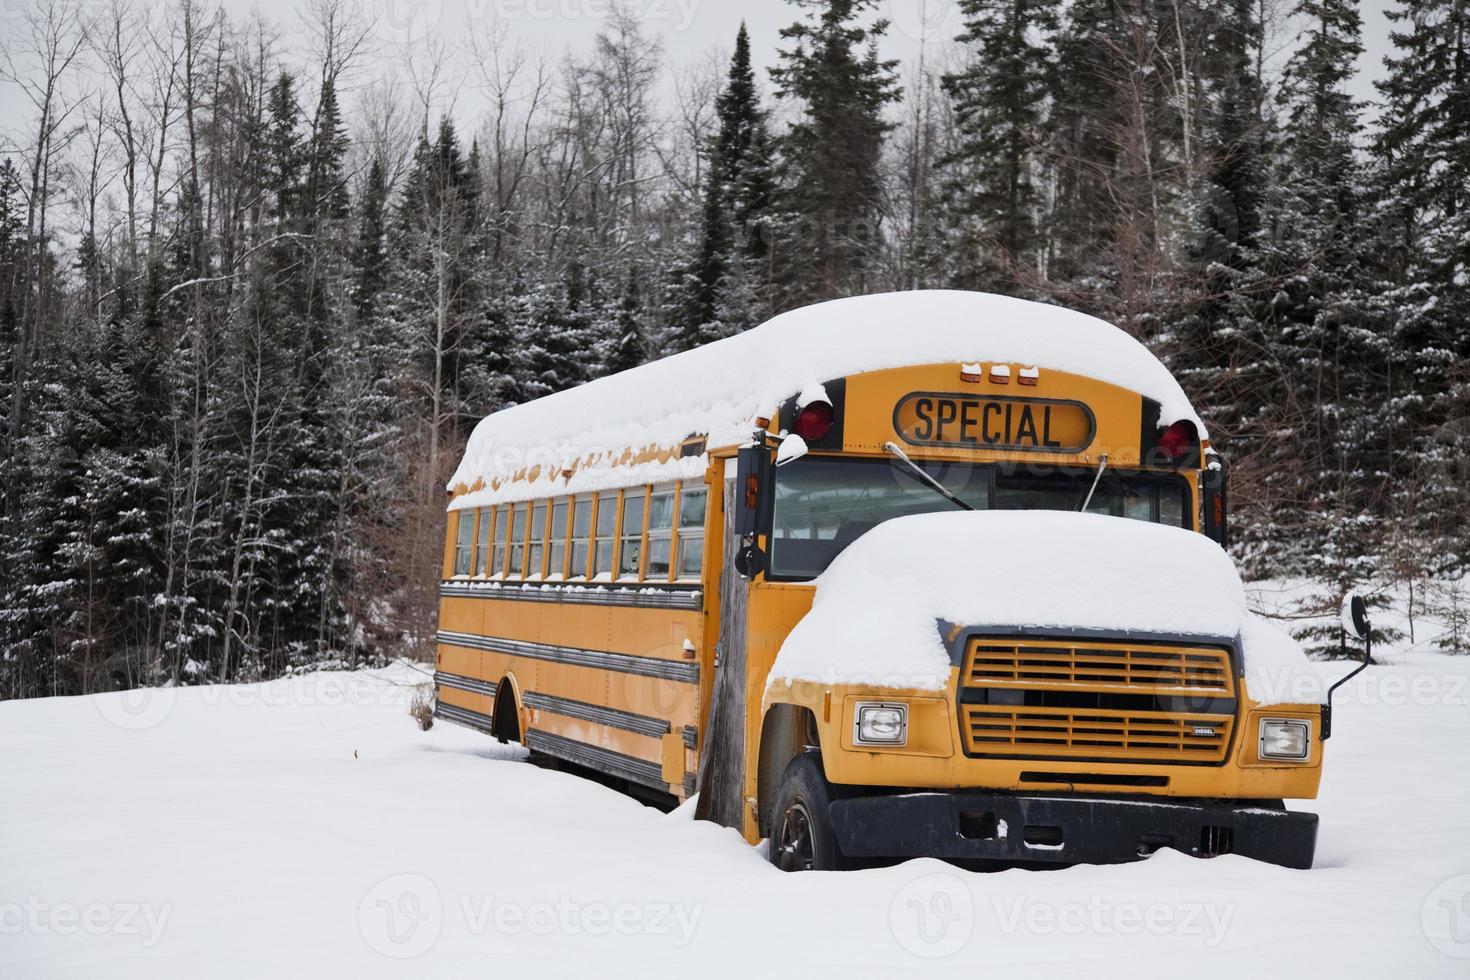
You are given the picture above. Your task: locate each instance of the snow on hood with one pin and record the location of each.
(718, 389)
(874, 617)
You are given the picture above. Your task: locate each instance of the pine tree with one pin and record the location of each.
(627, 347)
(834, 201)
(1423, 179)
(721, 289)
(27, 664)
(1325, 334)
(12, 239)
(1426, 122)
(1116, 150)
(93, 563)
(326, 185)
(369, 258)
(999, 101)
(1322, 115)
(1222, 338)
(283, 150)
(1323, 224)
(432, 283)
(557, 339)
(1083, 127)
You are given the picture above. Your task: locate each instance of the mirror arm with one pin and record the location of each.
(1327, 708)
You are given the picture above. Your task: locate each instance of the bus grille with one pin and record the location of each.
(1039, 698)
(1030, 663)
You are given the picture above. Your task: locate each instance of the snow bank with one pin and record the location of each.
(873, 618)
(718, 389)
(312, 830)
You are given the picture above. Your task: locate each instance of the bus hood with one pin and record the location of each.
(875, 616)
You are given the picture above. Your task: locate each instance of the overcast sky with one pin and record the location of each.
(691, 29)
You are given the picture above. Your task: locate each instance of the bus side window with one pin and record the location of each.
(502, 535)
(482, 540)
(556, 563)
(630, 554)
(517, 541)
(691, 530)
(537, 551)
(660, 532)
(464, 542)
(607, 530)
(581, 535)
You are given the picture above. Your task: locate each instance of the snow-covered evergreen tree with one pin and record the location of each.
(999, 98)
(626, 346)
(722, 291)
(840, 87)
(370, 258)
(1424, 200)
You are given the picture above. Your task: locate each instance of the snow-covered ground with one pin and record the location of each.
(307, 828)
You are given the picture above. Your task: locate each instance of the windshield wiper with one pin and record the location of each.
(1102, 464)
(901, 456)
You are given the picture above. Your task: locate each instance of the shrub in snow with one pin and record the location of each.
(1449, 600)
(421, 705)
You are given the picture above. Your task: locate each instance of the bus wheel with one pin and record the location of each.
(507, 722)
(801, 836)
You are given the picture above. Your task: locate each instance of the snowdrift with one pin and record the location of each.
(875, 612)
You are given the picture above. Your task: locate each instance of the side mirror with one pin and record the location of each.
(1355, 616)
(753, 471)
(752, 478)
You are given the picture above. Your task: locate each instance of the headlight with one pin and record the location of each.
(881, 724)
(1282, 739)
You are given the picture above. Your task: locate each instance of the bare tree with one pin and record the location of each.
(387, 127)
(117, 40)
(38, 63)
(517, 83)
(683, 151)
(90, 181)
(432, 71)
(165, 56)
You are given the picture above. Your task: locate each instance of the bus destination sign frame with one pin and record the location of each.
(962, 420)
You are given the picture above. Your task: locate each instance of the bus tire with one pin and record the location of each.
(801, 825)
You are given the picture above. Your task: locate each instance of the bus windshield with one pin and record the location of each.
(824, 503)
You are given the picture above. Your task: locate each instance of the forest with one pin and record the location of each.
(259, 280)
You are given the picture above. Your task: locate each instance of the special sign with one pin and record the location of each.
(1048, 425)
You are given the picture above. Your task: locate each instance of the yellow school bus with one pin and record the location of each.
(626, 561)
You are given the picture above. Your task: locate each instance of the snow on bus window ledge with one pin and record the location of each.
(587, 479)
(875, 613)
(718, 389)
(603, 585)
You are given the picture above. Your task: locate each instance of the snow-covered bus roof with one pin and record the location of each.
(718, 390)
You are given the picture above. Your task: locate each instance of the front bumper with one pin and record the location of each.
(1065, 829)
